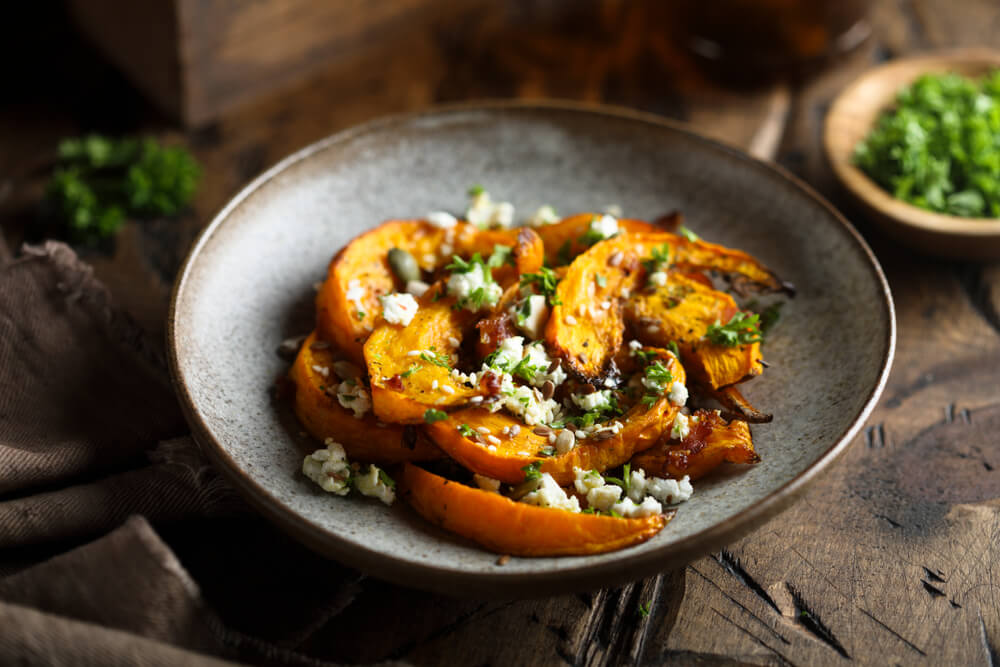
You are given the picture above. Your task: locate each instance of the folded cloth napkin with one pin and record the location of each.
(93, 445)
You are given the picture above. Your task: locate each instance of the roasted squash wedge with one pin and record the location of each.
(566, 239)
(710, 443)
(505, 457)
(681, 311)
(585, 326)
(322, 416)
(507, 527)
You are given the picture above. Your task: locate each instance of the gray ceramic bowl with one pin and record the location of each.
(248, 284)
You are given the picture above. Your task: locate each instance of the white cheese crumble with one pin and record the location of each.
(550, 494)
(484, 212)
(462, 285)
(606, 226)
(398, 308)
(351, 396)
(539, 358)
(487, 483)
(526, 403)
(417, 287)
(371, 484)
(442, 219)
(587, 480)
(628, 509)
(603, 498)
(329, 468)
(545, 215)
(592, 401)
(533, 324)
(509, 353)
(670, 491)
(355, 292)
(681, 427)
(658, 278)
(678, 393)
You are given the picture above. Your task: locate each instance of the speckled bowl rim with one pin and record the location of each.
(498, 584)
(861, 186)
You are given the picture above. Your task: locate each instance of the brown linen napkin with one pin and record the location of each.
(90, 434)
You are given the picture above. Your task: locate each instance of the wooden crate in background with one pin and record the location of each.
(199, 58)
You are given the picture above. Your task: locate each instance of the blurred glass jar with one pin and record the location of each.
(754, 41)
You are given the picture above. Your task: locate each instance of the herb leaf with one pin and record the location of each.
(532, 471)
(431, 415)
(743, 328)
(544, 282)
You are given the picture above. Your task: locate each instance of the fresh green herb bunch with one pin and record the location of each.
(939, 148)
(98, 182)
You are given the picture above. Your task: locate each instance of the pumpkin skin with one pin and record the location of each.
(507, 527)
(710, 443)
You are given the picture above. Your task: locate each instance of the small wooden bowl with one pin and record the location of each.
(849, 120)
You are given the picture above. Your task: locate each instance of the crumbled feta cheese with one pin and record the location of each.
(587, 480)
(550, 494)
(398, 308)
(628, 509)
(538, 357)
(634, 346)
(487, 483)
(605, 227)
(442, 219)
(592, 401)
(658, 278)
(351, 396)
(329, 468)
(373, 485)
(670, 491)
(533, 324)
(509, 353)
(603, 497)
(417, 287)
(681, 427)
(526, 403)
(545, 215)
(678, 393)
(355, 292)
(484, 212)
(462, 285)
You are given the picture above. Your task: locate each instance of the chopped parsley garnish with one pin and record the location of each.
(672, 346)
(431, 356)
(501, 255)
(525, 370)
(939, 147)
(659, 259)
(658, 375)
(743, 328)
(600, 280)
(431, 415)
(467, 430)
(459, 265)
(547, 451)
(644, 609)
(544, 282)
(563, 255)
(485, 295)
(411, 371)
(360, 314)
(384, 477)
(624, 481)
(688, 234)
(768, 316)
(476, 190)
(532, 471)
(644, 356)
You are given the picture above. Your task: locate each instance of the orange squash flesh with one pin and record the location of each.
(323, 417)
(581, 330)
(562, 239)
(507, 527)
(710, 443)
(702, 255)
(642, 428)
(682, 311)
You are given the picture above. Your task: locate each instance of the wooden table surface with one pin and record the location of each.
(888, 559)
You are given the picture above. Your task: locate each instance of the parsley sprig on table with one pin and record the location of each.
(743, 328)
(939, 148)
(99, 182)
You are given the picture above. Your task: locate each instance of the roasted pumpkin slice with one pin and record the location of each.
(710, 443)
(507, 527)
(568, 238)
(500, 445)
(347, 305)
(585, 326)
(315, 379)
(733, 400)
(410, 368)
(681, 311)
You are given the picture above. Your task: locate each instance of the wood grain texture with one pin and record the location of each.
(889, 559)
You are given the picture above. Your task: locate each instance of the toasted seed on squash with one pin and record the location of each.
(701, 255)
(681, 311)
(710, 443)
(507, 527)
(641, 428)
(585, 327)
(323, 417)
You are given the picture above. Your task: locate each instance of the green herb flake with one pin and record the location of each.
(466, 430)
(742, 329)
(688, 234)
(644, 609)
(476, 190)
(532, 471)
(431, 415)
(384, 477)
(600, 280)
(544, 282)
(431, 356)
